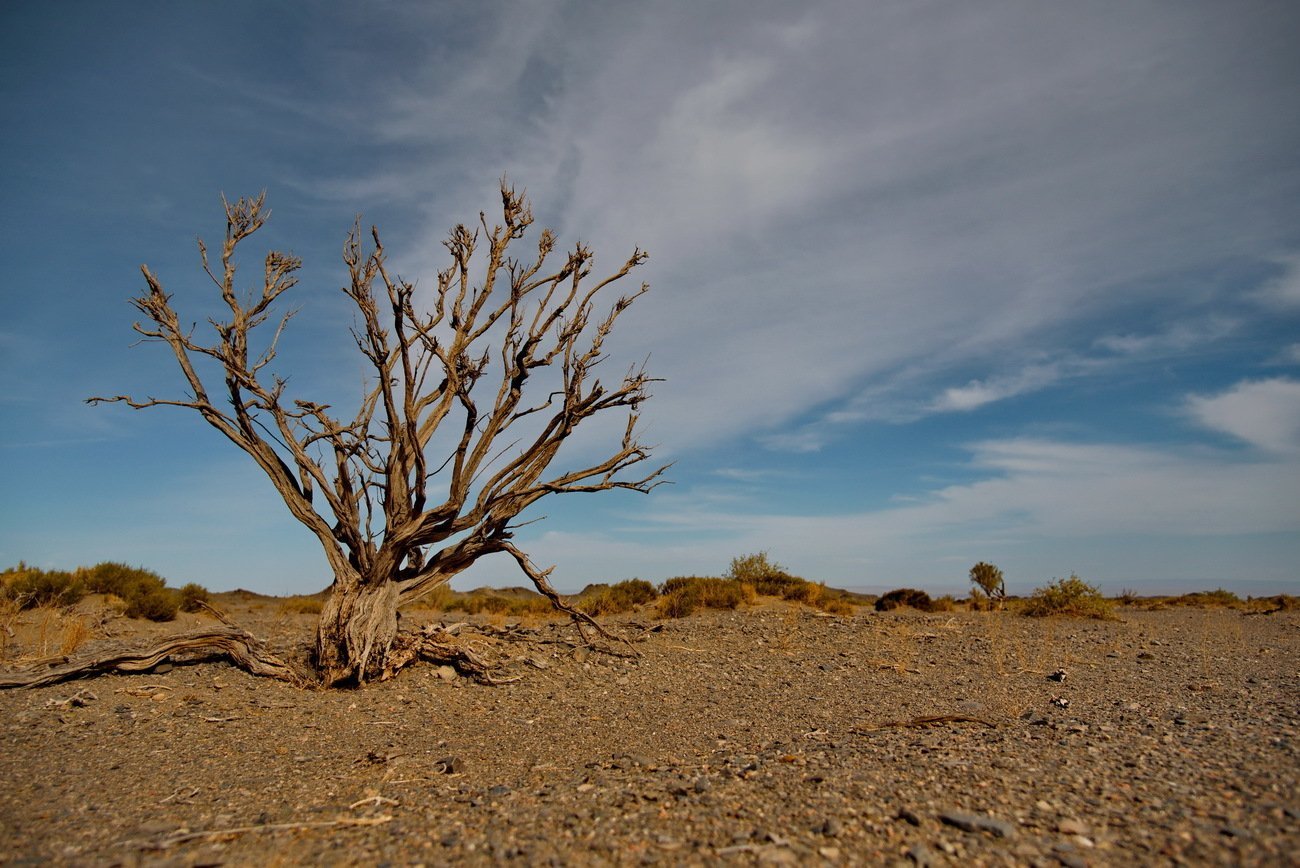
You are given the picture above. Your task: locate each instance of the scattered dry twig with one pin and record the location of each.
(924, 722)
(217, 834)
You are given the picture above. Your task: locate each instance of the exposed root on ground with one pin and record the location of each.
(474, 651)
(237, 646)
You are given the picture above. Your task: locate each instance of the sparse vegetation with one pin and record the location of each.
(1071, 597)
(156, 603)
(989, 584)
(946, 603)
(613, 599)
(680, 596)
(904, 597)
(29, 587)
(193, 597)
(1216, 599)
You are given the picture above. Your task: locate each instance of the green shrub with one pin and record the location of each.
(153, 603)
(1072, 596)
(193, 597)
(30, 587)
(681, 596)
(901, 597)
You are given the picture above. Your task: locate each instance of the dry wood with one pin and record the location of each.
(226, 643)
(469, 400)
(218, 834)
(924, 722)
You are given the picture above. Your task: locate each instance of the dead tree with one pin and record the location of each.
(471, 395)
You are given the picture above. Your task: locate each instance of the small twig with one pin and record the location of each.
(373, 800)
(188, 794)
(923, 722)
(216, 834)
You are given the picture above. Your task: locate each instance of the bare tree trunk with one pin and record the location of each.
(356, 631)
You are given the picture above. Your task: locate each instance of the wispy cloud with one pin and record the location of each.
(1034, 504)
(1263, 413)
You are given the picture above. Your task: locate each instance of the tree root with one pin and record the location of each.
(434, 643)
(230, 643)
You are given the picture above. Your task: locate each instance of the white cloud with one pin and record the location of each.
(834, 196)
(977, 393)
(1263, 413)
(1039, 505)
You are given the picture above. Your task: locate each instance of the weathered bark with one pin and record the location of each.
(222, 643)
(356, 632)
(395, 516)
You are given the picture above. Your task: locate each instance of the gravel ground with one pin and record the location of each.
(771, 735)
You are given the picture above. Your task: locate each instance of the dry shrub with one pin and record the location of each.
(900, 597)
(31, 588)
(1275, 603)
(76, 631)
(838, 606)
(943, 604)
(1216, 599)
(613, 599)
(513, 602)
(1072, 597)
(680, 596)
(301, 605)
(193, 597)
(153, 603)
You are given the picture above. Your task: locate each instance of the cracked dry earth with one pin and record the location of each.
(770, 735)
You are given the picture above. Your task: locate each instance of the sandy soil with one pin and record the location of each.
(771, 735)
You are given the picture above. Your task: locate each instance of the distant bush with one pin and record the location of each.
(302, 605)
(154, 603)
(989, 582)
(30, 588)
(1275, 603)
(1216, 599)
(516, 603)
(679, 597)
(1073, 597)
(837, 606)
(193, 597)
(904, 597)
(121, 580)
(623, 596)
(1126, 597)
(753, 569)
(943, 604)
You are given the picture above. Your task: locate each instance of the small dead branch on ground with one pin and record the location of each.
(924, 722)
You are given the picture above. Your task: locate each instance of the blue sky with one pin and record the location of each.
(932, 283)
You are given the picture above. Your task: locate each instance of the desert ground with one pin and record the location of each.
(771, 734)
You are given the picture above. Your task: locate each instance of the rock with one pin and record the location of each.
(1058, 676)
(921, 855)
(1071, 827)
(446, 673)
(831, 827)
(908, 816)
(498, 791)
(977, 823)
